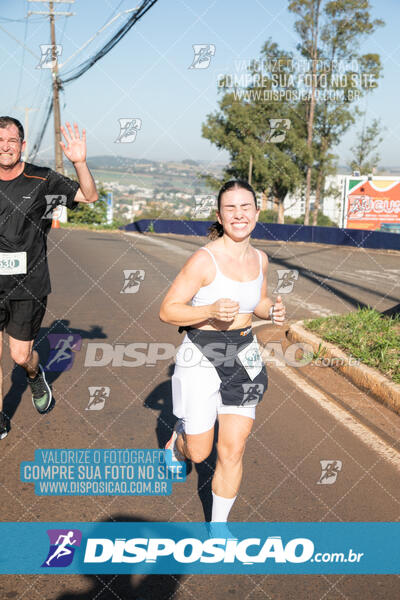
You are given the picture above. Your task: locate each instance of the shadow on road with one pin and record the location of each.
(160, 399)
(124, 587)
(328, 283)
(59, 329)
(394, 311)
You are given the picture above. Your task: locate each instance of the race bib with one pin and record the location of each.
(250, 358)
(12, 263)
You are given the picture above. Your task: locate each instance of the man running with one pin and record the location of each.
(26, 192)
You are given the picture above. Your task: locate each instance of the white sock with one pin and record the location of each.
(221, 508)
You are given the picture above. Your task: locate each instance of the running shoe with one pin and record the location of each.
(174, 458)
(3, 426)
(41, 392)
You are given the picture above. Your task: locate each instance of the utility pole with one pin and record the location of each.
(26, 109)
(56, 97)
(54, 72)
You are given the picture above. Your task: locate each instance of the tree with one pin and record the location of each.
(369, 138)
(91, 214)
(154, 211)
(308, 28)
(243, 128)
(323, 221)
(336, 75)
(330, 34)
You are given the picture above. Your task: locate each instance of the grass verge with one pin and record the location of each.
(365, 334)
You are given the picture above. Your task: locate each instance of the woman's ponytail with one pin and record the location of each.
(215, 231)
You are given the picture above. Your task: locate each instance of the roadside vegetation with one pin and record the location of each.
(367, 335)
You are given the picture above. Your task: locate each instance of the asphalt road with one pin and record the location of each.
(307, 415)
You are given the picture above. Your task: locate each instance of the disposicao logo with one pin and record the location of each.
(190, 550)
(62, 547)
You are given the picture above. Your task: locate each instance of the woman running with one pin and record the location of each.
(219, 371)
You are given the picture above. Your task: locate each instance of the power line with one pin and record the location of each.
(42, 131)
(90, 40)
(87, 64)
(22, 64)
(27, 110)
(18, 42)
(113, 12)
(53, 50)
(131, 21)
(63, 30)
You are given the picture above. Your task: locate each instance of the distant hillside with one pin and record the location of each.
(123, 163)
(118, 162)
(382, 170)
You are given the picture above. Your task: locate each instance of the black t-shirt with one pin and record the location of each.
(26, 210)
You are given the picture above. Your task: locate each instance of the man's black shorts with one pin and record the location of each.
(22, 318)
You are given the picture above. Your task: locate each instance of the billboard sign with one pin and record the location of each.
(368, 203)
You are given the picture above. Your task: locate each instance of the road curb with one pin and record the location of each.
(364, 377)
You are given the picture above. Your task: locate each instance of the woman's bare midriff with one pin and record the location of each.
(241, 321)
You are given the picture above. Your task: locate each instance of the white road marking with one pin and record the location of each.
(364, 275)
(317, 309)
(368, 437)
(159, 242)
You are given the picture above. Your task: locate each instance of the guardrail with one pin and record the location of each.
(361, 238)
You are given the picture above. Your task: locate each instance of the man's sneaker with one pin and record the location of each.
(174, 458)
(41, 392)
(3, 426)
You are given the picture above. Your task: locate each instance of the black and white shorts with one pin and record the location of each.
(217, 372)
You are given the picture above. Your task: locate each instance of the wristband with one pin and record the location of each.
(271, 313)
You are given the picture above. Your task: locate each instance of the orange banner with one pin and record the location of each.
(371, 203)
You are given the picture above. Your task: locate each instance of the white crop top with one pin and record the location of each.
(246, 293)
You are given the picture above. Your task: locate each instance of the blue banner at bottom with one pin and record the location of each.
(216, 548)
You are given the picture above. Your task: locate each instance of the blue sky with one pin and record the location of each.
(147, 74)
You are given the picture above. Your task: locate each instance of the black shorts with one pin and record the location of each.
(22, 318)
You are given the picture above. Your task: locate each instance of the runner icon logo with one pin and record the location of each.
(97, 397)
(330, 470)
(279, 128)
(128, 129)
(202, 55)
(252, 393)
(62, 349)
(48, 59)
(286, 281)
(204, 205)
(62, 547)
(132, 281)
(54, 204)
(359, 205)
